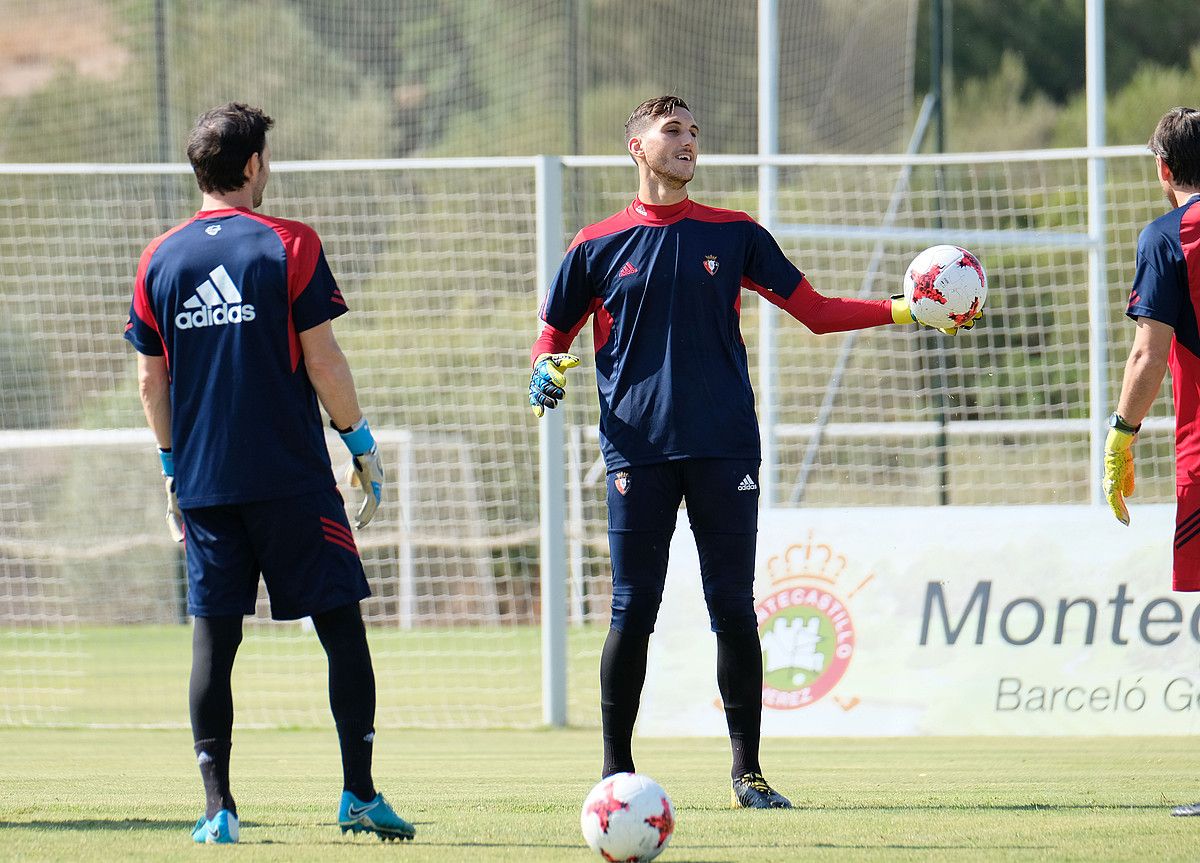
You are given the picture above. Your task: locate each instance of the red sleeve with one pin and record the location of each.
(823, 314)
(554, 341)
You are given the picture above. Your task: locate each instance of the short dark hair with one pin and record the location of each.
(1176, 140)
(644, 114)
(222, 141)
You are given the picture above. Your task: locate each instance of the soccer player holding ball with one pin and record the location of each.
(232, 321)
(1163, 305)
(662, 281)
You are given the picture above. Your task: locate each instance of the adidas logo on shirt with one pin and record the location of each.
(747, 484)
(216, 302)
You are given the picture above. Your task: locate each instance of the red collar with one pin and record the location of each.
(658, 214)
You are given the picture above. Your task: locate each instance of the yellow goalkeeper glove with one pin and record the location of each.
(903, 314)
(547, 385)
(1118, 466)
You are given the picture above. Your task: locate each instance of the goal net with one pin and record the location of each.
(438, 262)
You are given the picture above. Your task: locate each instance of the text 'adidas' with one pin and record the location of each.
(217, 301)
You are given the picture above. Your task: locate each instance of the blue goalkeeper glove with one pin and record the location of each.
(903, 314)
(1118, 466)
(366, 469)
(174, 513)
(547, 385)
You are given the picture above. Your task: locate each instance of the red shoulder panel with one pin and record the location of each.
(702, 213)
(302, 249)
(1189, 239)
(613, 224)
(141, 298)
(301, 245)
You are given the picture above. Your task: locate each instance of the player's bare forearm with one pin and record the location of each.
(1144, 369)
(330, 374)
(154, 389)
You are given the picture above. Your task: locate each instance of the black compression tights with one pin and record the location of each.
(739, 678)
(215, 643)
(622, 673)
(351, 693)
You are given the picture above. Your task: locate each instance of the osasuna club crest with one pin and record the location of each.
(710, 264)
(621, 482)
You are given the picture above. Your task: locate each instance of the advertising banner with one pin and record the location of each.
(1036, 620)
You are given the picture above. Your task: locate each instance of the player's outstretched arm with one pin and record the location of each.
(154, 389)
(547, 384)
(331, 377)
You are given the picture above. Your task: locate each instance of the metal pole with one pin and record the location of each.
(933, 347)
(551, 474)
(161, 80)
(575, 520)
(1097, 277)
(574, 62)
(768, 145)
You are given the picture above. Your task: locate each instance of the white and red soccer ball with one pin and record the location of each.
(945, 286)
(627, 817)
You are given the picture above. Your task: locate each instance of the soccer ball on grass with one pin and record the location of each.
(945, 286)
(627, 817)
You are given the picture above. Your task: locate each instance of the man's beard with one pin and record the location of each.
(671, 174)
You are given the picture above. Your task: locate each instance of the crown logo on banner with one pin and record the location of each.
(807, 560)
(805, 629)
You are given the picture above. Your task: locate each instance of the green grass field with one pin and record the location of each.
(515, 796)
(77, 793)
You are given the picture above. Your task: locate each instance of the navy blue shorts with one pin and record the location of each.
(722, 507)
(301, 545)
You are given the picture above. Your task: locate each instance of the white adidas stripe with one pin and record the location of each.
(225, 285)
(220, 290)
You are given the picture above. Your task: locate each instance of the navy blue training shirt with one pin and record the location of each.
(224, 297)
(664, 284)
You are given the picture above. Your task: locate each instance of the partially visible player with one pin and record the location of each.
(1162, 303)
(663, 281)
(231, 319)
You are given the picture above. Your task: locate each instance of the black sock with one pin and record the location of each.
(739, 677)
(351, 694)
(622, 673)
(212, 756)
(215, 642)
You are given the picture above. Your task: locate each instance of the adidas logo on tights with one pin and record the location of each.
(217, 302)
(747, 484)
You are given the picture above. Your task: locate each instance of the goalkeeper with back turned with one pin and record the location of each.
(662, 281)
(1162, 302)
(232, 319)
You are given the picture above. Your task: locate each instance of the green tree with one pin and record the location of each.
(1048, 36)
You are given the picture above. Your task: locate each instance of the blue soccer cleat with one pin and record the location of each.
(221, 829)
(376, 817)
